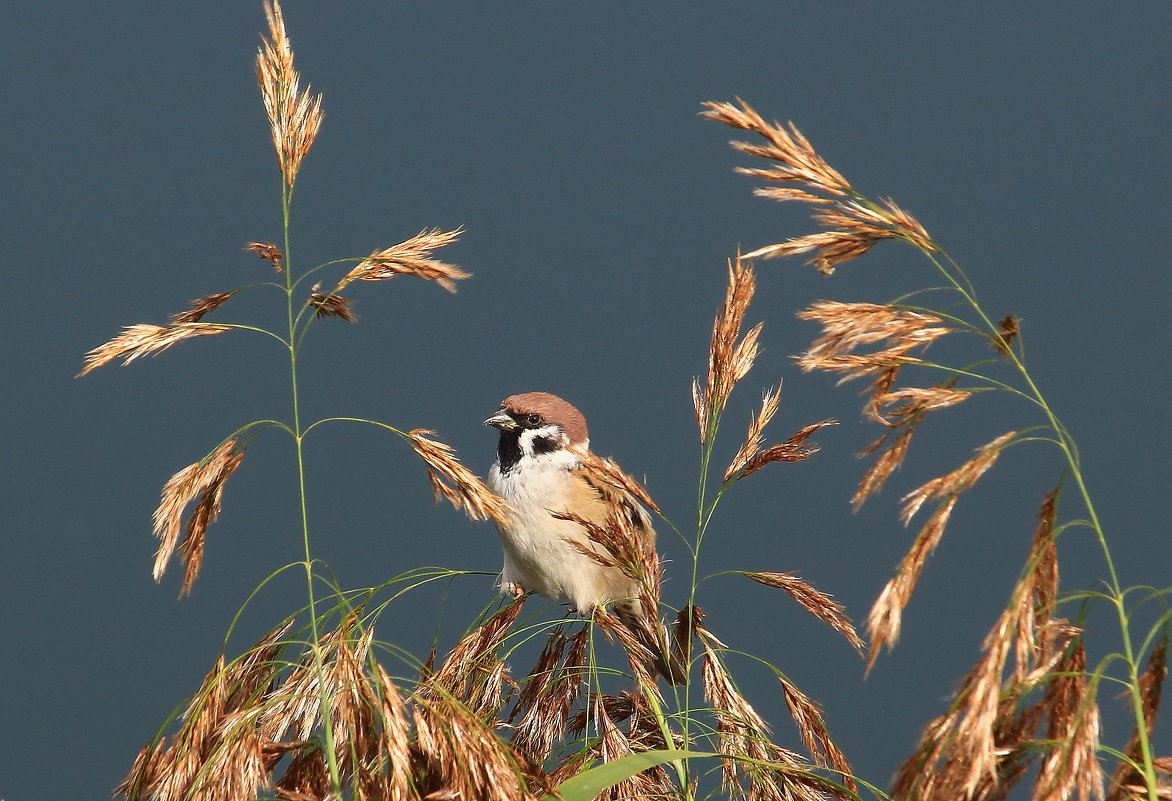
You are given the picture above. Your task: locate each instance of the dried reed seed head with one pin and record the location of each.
(975, 751)
(465, 672)
(1034, 600)
(847, 326)
(797, 161)
(793, 449)
(603, 713)
(817, 603)
(200, 307)
(203, 480)
(784, 193)
(467, 492)
(959, 480)
(145, 774)
(915, 401)
(860, 224)
(395, 741)
(640, 651)
(460, 757)
(269, 252)
(975, 745)
(332, 306)
(550, 692)
(918, 777)
(307, 778)
(1007, 331)
(884, 465)
(1043, 561)
(627, 705)
(884, 620)
(770, 399)
(985, 743)
(143, 339)
(292, 710)
(614, 743)
(873, 223)
(743, 734)
(733, 712)
(218, 752)
(909, 226)
(828, 249)
(730, 355)
(294, 116)
(1151, 683)
(700, 405)
(353, 718)
(814, 732)
(191, 549)
(687, 620)
(1071, 765)
(412, 257)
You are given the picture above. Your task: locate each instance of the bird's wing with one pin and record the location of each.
(603, 499)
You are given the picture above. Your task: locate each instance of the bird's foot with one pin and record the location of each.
(513, 589)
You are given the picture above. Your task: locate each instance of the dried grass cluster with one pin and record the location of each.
(855, 224)
(1031, 701)
(467, 728)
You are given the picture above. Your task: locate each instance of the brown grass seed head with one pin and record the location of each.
(294, 116)
(145, 339)
(412, 257)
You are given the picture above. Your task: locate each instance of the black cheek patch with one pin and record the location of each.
(545, 445)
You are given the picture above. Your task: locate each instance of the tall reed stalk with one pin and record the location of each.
(1044, 713)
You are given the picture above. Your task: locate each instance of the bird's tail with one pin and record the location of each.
(649, 642)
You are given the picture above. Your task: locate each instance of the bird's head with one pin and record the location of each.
(536, 423)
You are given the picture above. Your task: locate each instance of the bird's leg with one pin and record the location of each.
(513, 589)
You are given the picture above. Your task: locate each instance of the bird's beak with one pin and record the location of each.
(501, 420)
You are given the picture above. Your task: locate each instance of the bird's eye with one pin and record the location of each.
(534, 419)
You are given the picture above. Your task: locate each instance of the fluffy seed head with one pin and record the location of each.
(200, 307)
(467, 492)
(331, 306)
(730, 355)
(818, 604)
(269, 252)
(412, 257)
(144, 339)
(204, 481)
(294, 116)
(855, 224)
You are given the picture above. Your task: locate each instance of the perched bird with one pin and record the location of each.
(540, 471)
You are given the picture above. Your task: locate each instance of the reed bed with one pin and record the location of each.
(322, 708)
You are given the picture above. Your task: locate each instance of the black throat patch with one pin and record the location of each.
(508, 450)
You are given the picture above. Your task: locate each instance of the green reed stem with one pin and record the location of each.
(298, 439)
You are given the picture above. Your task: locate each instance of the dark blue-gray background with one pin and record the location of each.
(1030, 139)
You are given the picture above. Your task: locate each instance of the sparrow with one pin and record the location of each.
(539, 472)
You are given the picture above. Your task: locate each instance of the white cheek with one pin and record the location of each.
(528, 440)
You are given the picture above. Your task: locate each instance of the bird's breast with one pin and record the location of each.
(537, 554)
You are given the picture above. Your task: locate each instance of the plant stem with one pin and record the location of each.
(298, 437)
